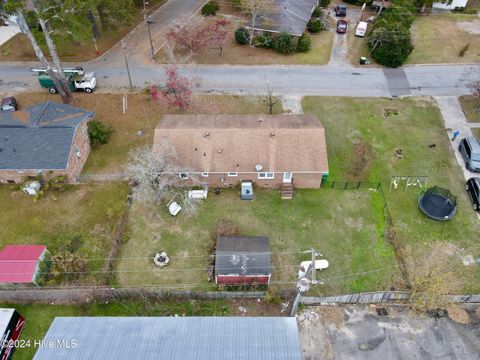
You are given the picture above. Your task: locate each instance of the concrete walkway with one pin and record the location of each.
(292, 104)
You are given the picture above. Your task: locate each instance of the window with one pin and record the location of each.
(232, 174)
(85, 133)
(266, 175)
(467, 149)
(77, 151)
(183, 176)
(204, 174)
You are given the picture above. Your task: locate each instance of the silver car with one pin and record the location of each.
(470, 150)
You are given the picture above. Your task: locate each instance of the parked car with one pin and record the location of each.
(340, 10)
(342, 26)
(473, 188)
(9, 104)
(361, 29)
(470, 149)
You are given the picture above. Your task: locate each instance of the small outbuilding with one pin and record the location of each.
(20, 264)
(242, 260)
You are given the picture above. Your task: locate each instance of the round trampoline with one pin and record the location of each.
(438, 204)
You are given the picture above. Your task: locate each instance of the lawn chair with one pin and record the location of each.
(173, 207)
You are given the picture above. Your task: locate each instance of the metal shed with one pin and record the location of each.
(242, 260)
(173, 338)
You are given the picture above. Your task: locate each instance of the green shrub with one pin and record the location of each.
(314, 25)
(390, 46)
(284, 43)
(242, 36)
(210, 8)
(304, 43)
(317, 12)
(263, 41)
(99, 132)
(324, 3)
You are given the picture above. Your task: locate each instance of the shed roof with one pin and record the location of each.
(289, 16)
(18, 263)
(242, 255)
(173, 338)
(236, 143)
(39, 137)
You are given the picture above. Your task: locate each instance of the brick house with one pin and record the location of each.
(48, 138)
(270, 150)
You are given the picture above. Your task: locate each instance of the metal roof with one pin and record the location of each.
(242, 255)
(18, 263)
(290, 16)
(39, 137)
(172, 338)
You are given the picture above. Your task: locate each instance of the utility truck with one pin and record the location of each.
(78, 79)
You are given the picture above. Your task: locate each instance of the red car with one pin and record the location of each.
(342, 26)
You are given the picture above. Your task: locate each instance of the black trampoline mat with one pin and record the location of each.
(437, 206)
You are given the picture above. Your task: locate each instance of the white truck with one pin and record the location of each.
(78, 79)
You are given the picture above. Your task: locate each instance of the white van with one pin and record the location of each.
(361, 29)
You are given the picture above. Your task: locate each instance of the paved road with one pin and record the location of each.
(436, 80)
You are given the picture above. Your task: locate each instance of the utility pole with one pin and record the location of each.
(150, 36)
(124, 48)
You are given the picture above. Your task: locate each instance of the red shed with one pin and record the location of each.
(20, 263)
(242, 260)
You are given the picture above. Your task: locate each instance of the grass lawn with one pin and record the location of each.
(476, 132)
(142, 114)
(470, 105)
(39, 317)
(235, 54)
(346, 226)
(19, 48)
(440, 38)
(89, 212)
(416, 125)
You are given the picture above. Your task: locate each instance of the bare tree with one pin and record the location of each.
(22, 23)
(157, 177)
(64, 88)
(271, 100)
(257, 9)
(432, 276)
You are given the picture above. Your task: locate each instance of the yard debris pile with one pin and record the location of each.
(307, 318)
(457, 314)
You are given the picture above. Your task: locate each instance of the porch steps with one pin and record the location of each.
(287, 191)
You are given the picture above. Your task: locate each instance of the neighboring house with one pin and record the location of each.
(20, 264)
(48, 138)
(450, 5)
(290, 16)
(270, 150)
(172, 338)
(242, 260)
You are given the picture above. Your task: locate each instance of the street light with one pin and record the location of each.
(150, 36)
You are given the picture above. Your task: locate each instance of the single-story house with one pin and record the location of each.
(11, 325)
(242, 260)
(48, 138)
(290, 16)
(269, 150)
(450, 5)
(20, 264)
(172, 338)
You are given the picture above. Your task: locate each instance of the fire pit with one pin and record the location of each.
(161, 259)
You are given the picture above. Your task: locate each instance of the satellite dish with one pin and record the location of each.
(259, 167)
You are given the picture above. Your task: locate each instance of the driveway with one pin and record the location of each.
(339, 56)
(330, 332)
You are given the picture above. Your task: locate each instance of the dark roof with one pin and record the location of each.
(289, 16)
(39, 137)
(242, 255)
(173, 338)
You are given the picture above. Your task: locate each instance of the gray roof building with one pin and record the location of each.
(39, 137)
(242, 255)
(172, 338)
(289, 16)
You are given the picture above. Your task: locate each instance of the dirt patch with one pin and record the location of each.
(256, 307)
(472, 27)
(457, 314)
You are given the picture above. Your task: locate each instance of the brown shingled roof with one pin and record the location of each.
(236, 143)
